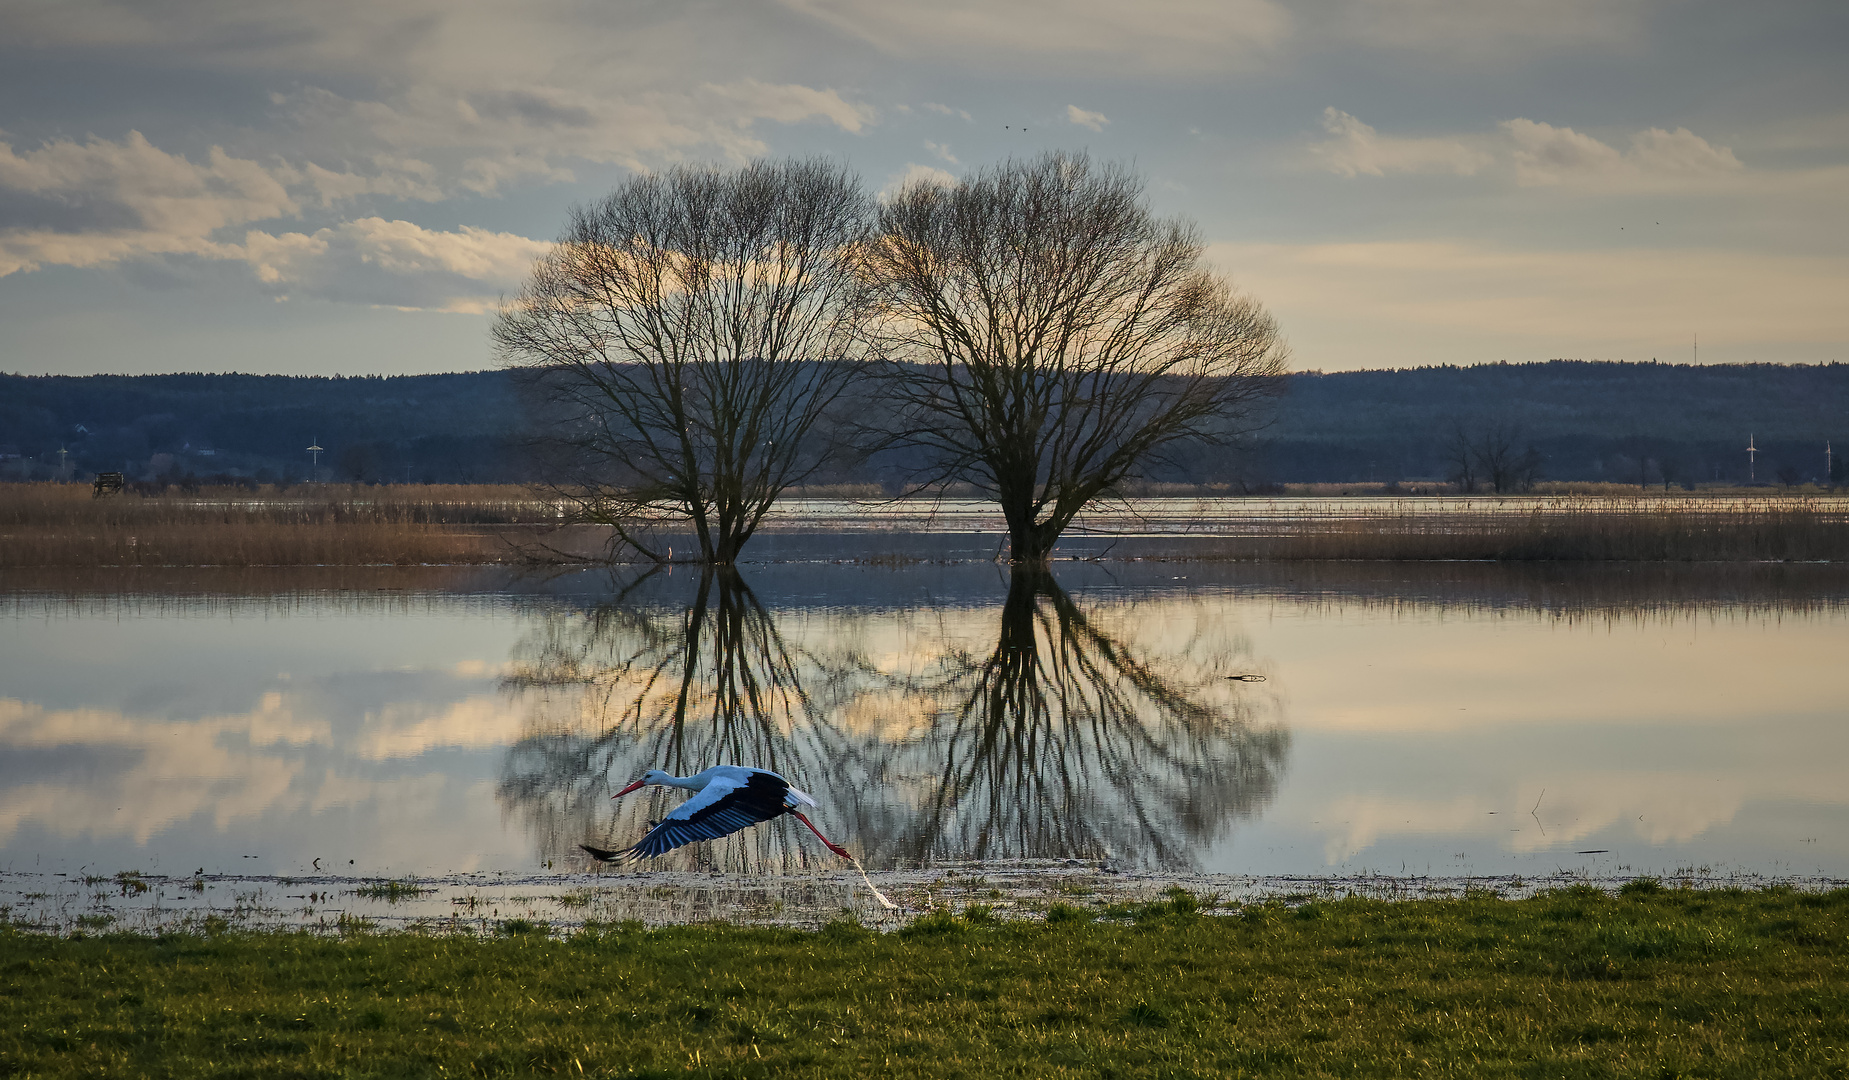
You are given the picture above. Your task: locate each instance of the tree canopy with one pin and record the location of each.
(1049, 338)
(685, 336)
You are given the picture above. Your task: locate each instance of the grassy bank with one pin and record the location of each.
(1574, 983)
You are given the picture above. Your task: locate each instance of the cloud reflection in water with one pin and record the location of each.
(1053, 736)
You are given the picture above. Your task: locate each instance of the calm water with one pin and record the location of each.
(1412, 720)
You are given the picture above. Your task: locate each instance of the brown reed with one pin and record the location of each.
(323, 525)
(326, 525)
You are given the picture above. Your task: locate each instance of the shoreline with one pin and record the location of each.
(482, 904)
(49, 525)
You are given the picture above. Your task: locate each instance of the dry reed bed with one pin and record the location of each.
(61, 525)
(50, 505)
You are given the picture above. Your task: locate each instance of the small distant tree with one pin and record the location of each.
(357, 462)
(686, 338)
(1671, 469)
(1049, 338)
(1509, 470)
(1460, 458)
(1492, 453)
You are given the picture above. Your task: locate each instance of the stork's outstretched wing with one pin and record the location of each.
(721, 809)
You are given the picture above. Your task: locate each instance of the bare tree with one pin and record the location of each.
(1460, 458)
(687, 335)
(1490, 453)
(1050, 338)
(670, 674)
(1507, 468)
(1671, 468)
(1069, 741)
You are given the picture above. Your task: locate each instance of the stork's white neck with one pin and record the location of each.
(696, 782)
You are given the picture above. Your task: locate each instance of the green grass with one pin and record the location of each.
(392, 890)
(1653, 983)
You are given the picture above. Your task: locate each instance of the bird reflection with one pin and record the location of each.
(1073, 736)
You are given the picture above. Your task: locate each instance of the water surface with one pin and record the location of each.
(1413, 720)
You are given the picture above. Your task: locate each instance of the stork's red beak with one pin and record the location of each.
(628, 789)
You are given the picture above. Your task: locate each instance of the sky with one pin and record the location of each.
(351, 186)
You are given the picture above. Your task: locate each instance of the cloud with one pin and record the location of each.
(97, 202)
(1529, 152)
(945, 110)
(150, 768)
(1355, 148)
(1544, 154)
(1159, 35)
(137, 775)
(481, 139)
(914, 173)
(1087, 118)
(393, 264)
(101, 202)
(434, 101)
(942, 152)
(1220, 36)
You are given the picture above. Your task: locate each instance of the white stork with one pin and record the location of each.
(730, 798)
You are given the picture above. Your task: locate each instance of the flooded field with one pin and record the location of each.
(270, 741)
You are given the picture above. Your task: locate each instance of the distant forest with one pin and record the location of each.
(1583, 420)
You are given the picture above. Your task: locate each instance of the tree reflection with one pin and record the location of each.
(641, 682)
(1067, 741)
(1079, 734)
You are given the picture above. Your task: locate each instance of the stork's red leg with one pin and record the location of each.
(832, 846)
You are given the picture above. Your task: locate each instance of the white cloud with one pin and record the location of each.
(942, 152)
(1355, 148)
(437, 100)
(161, 786)
(93, 203)
(945, 110)
(1087, 118)
(104, 202)
(394, 264)
(914, 173)
(1544, 154)
(157, 772)
(1529, 152)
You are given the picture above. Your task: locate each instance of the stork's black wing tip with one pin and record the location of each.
(600, 854)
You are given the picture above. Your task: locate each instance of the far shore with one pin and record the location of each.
(62, 525)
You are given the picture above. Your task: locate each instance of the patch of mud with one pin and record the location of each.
(563, 902)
